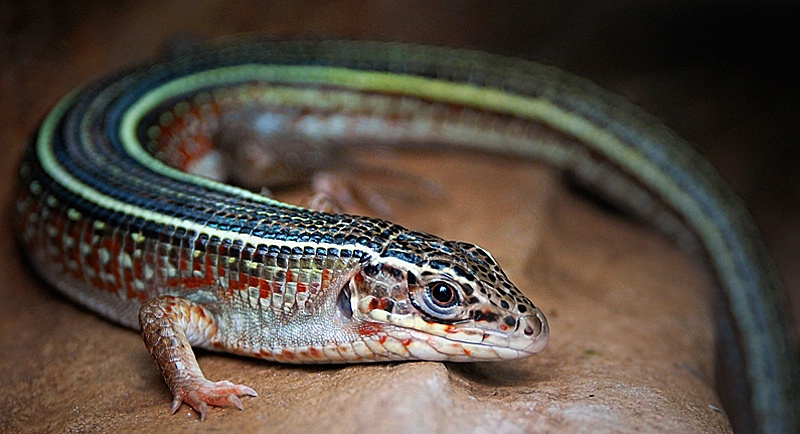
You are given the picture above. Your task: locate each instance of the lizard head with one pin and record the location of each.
(456, 304)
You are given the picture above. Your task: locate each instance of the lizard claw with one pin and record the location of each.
(205, 393)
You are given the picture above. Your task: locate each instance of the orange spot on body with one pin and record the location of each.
(263, 288)
(138, 269)
(186, 139)
(236, 285)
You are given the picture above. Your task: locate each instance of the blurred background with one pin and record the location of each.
(722, 74)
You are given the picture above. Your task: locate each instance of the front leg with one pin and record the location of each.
(170, 326)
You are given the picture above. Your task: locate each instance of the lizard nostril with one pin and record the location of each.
(531, 325)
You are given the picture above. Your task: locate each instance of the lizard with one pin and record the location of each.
(112, 210)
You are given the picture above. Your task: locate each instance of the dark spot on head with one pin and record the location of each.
(396, 273)
(437, 265)
(483, 315)
(372, 269)
(461, 272)
(411, 278)
(504, 304)
(510, 321)
(521, 308)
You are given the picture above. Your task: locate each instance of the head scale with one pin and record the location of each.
(444, 300)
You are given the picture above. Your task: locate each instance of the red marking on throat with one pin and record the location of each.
(371, 329)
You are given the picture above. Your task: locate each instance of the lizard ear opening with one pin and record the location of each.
(343, 301)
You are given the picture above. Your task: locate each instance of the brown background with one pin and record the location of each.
(722, 76)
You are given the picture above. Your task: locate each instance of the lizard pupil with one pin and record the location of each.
(443, 294)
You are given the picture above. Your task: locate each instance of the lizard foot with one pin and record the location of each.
(165, 322)
(203, 393)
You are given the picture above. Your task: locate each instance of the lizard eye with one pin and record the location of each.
(440, 300)
(442, 294)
